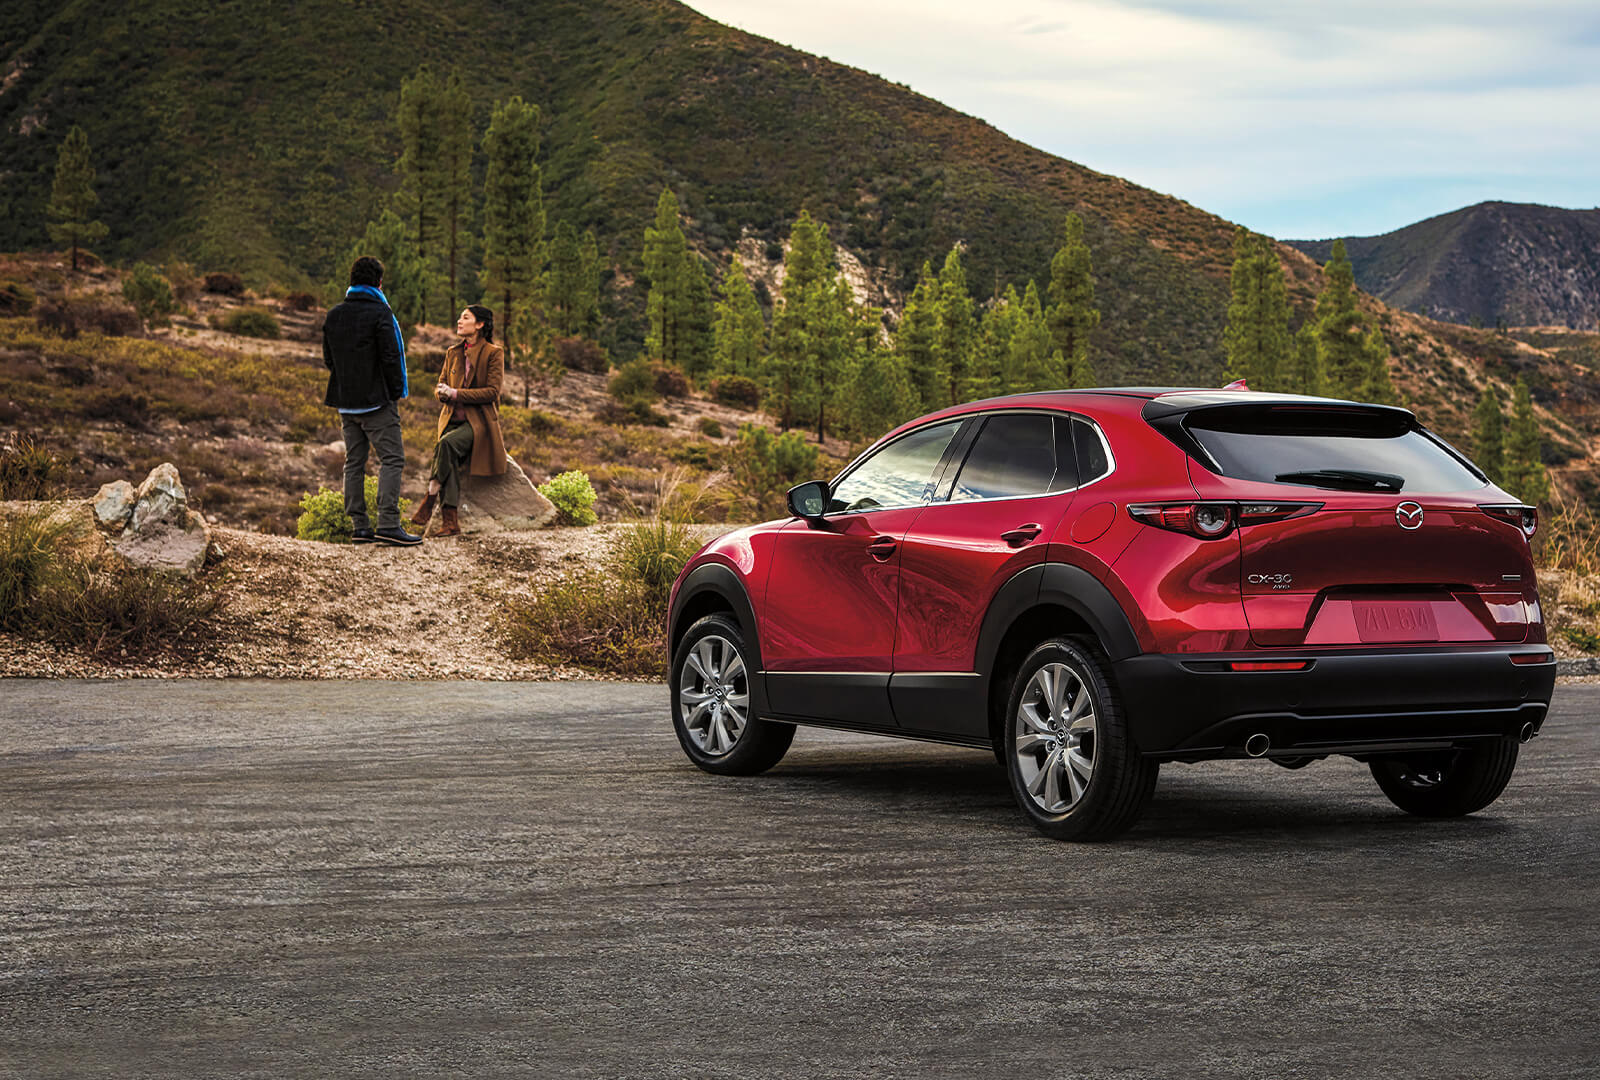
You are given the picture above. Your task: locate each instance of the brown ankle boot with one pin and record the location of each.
(450, 525)
(424, 510)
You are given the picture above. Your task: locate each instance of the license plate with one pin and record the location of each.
(1394, 620)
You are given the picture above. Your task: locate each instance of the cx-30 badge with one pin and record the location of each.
(1409, 515)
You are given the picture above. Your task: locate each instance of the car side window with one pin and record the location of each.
(1015, 454)
(901, 474)
(1092, 460)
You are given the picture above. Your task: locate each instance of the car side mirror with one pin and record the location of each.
(809, 501)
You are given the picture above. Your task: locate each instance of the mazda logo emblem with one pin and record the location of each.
(1409, 515)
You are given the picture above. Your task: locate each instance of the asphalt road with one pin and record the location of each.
(261, 879)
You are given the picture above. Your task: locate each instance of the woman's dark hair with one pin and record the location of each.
(367, 270)
(485, 319)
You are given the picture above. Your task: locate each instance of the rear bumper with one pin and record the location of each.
(1197, 707)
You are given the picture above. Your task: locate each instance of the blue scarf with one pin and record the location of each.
(374, 293)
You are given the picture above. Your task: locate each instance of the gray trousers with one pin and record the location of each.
(452, 458)
(378, 430)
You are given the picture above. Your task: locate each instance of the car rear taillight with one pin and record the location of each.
(1523, 517)
(1210, 520)
(1270, 665)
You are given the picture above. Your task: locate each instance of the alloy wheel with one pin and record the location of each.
(1055, 738)
(714, 692)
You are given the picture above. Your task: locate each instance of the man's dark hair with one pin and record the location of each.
(367, 270)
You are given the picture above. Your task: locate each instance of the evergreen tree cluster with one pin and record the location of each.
(1509, 455)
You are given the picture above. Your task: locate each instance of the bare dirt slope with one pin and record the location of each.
(298, 609)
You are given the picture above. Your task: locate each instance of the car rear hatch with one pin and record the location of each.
(1357, 527)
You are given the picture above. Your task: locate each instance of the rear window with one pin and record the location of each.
(1329, 448)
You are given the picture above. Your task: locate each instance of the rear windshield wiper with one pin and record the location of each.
(1352, 479)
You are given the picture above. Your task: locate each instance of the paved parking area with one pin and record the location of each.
(271, 879)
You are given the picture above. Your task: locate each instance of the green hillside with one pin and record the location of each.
(260, 138)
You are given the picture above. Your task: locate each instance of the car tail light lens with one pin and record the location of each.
(1532, 658)
(1270, 665)
(1210, 520)
(1523, 517)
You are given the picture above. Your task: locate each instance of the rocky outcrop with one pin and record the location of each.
(510, 501)
(153, 526)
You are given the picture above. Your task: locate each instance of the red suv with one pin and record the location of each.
(1095, 582)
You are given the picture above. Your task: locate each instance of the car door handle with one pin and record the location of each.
(882, 547)
(1021, 534)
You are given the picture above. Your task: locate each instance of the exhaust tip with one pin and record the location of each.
(1526, 733)
(1258, 744)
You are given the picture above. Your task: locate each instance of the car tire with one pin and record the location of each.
(710, 683)
(1074, 769)
(1448, 783)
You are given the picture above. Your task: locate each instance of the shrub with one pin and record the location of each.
(186, 284)
(651, 553)
(669, 381)
(149, 293)
(322, 515)
(27, 547)
(26, 470)
(1569, 538)
(300, 301)
(710, 427)
(70, 317)
(634, 381)
(225, 284)
(738, 391)
(591, 620)
(256, 322)
(767, 466)
(637, 411)
(15, 298)
(131, 609)
(574, 497)
(1579, 638)
(581, 354)
(118, 407)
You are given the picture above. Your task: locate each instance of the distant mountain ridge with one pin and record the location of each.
(1520, 264)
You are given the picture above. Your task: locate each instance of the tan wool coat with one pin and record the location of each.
(479, 399)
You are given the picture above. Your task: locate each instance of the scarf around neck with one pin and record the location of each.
(370, 292)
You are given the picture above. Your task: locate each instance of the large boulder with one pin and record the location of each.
(113, 506)
(508, 501)
(160, 500)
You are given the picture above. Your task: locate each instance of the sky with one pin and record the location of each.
(1301, 120)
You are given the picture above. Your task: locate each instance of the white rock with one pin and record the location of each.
(161, 500)
(113, 505)
(179, 549)
(509, 501)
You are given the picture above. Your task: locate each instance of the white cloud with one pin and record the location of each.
(1283, 115)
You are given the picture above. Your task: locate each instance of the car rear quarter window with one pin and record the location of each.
(1314, 446)
(1093, 462)
(900, 474)
(1015, 454)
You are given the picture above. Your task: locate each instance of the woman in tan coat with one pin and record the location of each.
(470, 440)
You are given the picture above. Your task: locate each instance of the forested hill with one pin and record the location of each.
(1495, 263)
(261, 138)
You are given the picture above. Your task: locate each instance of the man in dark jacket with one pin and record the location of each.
(366, 358)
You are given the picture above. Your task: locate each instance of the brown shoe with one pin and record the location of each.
(450, 525)
(424, 510)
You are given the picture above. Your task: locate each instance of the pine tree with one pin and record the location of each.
(513, 224)
(454, 175)
(740, 333)
(995, 333)
(1072, 315)
(956, 334)
(666, 265)
(1306, 377)
(1257, 338)
(914, 339)
(73, 198)
(406, 275)
(1033, 348)
(698, 314)
(805, 328)
(421, 159)
(1349, 348)
(1376, 384)
(573, 281)
(1524, 469)
(879, 394)
(1488, 436)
